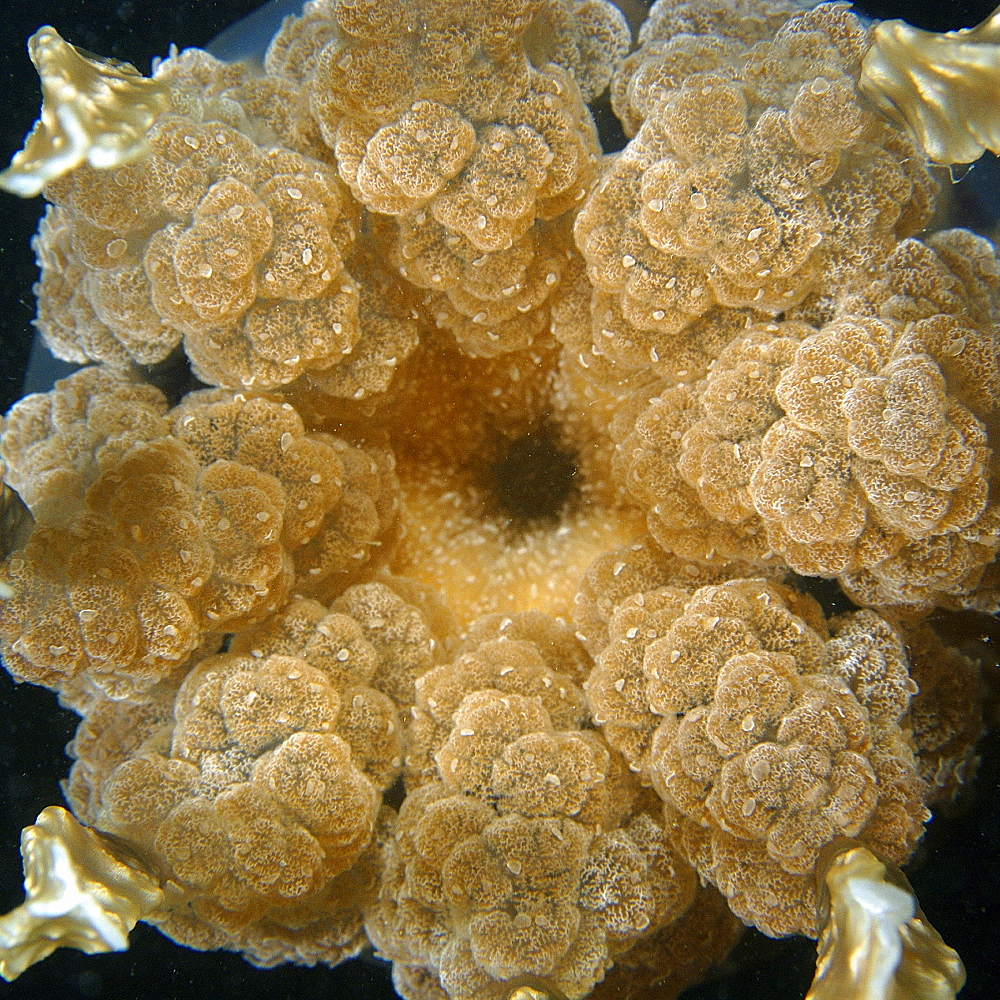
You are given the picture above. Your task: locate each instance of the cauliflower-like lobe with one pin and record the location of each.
(395, 100)
(110, 733)
(858, 449)
(407, 163)
(502, 748)
(795, 793)
(650, 461)
(502, 782)
(681, 38)
(369, 643)
(437, 117)
(588, 38)
(616, 688)
(199, 531)
(257, 784)
(754, 181)
(914, 457)
(93, 604)
(504, 887)
(389, 315)
(766, 737)
(339, 500)
(510, 657)
(739, 405)
(406, 637)
(614, 577)
(219, 236)
(607, 361)
(554, 640)
(54, 444)
(259, 798)
(492, 303)
(679, 955)
(689, 455)
(880, 470)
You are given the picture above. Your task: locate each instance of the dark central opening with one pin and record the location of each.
(535, 478)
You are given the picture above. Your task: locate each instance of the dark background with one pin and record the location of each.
(956, 870)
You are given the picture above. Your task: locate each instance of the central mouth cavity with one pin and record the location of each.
(534, 480)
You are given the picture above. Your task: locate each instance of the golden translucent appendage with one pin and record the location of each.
(946, 86)
(79, 894)
(877, 944)
(521, 989)
(93, 109)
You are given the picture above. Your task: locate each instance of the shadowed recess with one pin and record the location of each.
(535, 479)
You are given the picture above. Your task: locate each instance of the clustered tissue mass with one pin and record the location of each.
(462, 608)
